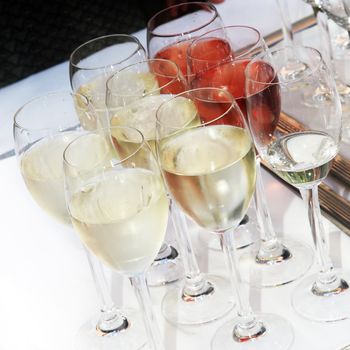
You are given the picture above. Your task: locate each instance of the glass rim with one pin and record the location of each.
(204, 35)
(170, 8)
(17, 124)
(260, 58)
(174, 77)
(98, 131)
(233, 104)
(87, 43)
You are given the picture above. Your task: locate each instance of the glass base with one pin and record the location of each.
(166, 269)
(202, 309)
(276, 273)
(133, 338)
(279, 335)
(326, 308)
(245, 234)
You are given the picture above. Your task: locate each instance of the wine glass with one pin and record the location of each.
(133, 96)
(118, 204)
(302, 156)
(170, 31)
(275, 261)
(91, 64)
(208, 64)
(208, 162)
(43, 127)
(94, 61)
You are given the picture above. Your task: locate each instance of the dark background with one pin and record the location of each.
(35, 35)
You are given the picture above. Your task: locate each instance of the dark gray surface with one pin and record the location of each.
(35, 35)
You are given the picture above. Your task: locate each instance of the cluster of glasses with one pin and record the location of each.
(145, 142)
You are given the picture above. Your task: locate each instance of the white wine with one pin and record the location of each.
(128, 86)
(211, 172)
(141, 114)
(42, 170)
(302, 159)
(95, 91)
(133, 85)
(122, 217)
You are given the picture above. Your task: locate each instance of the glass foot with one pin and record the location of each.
(323, 308)
(133, 338)
(208, 307)
(278, 271)
(277, 335)
(166, 268)
(245, 234)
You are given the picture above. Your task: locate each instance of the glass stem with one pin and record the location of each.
(287, 27)
(270, 249)
(263, 215)
(195, 284)
(328, 280)
(248, 326)
(322, 23)
(144, 300)
(111, 319)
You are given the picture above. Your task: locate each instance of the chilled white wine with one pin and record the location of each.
(42, 170)
(128, 86)
(133, 85)
(122, 217)
(304, 158)
(210, 171)
(141, 114)
(95, 91)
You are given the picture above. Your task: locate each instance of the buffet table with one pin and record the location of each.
(47, 292)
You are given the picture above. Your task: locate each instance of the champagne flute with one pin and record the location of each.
(302, 156)
(170, 31)
(209, 167)
(133, 96)
(43, 127)
(275, 261)
(207, 51)
(91, 64)
(118, 204)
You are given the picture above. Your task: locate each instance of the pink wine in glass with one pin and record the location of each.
(232, 76)
(208, 50)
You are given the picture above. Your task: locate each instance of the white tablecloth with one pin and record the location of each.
(47, 292)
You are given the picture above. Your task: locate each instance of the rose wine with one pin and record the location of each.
(122, 217)
(42, 170)
(207, 53)
(229, 75)
(302, 158)
(207, 49)
(263, 101)
(210, 171)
